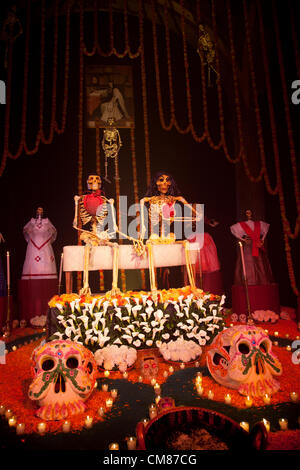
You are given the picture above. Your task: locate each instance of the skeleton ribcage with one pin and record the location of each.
(86, 217)
(155, 213)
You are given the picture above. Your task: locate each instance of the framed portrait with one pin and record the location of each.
(109, 95)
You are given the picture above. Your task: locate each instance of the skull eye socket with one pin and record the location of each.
(72, 362)
(48, 364)
(243, 348)
(264, 346)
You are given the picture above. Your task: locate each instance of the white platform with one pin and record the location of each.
(102, 256)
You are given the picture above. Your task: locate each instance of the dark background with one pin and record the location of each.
(49, 178)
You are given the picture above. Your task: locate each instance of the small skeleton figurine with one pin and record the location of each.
(93, 208)
(206, 51)
(11, 30)
(111, 143)
(161, 196)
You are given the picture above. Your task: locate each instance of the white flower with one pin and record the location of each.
(128, 338)
(136, 309)
(149, 342)
(166, 336)
(137, 343)
(158, 315)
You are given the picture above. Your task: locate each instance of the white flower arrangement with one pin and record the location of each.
(112, 356)
(180, 350)
(39, 321)
(265, 315)
(139, 322)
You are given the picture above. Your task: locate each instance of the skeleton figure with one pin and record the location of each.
(64, 375)
(161, 196)
(206, 51)
(92, 208)
(111, 144)
(241, 358)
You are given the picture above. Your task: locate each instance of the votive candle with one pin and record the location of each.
(248, 401)
(8, 413)
(267, 399)
(157, 389)
(114, 446)
(41, 427)
(152, 411)
(210, 394)
(101, 411)
(109, 402)
(244, 425)
(227, 398)
(12, 421)
(131, 443)
(106, 373)
(200, 390)
(88, 422)
(294, 396)
(114, 393)
(125, 375)
(171, 369)
(153, 382)
(20, 428)
(267, 424)
(104, 388)
(283, 423)
(66, 427)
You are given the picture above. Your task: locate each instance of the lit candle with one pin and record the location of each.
(182, 365)
(153, 382)
(200, 390)
(106, 373)
(41, 427)
(104, 387)
(288, 348)
(12, 421)
(140, 378)
(276, 333)
(157, 389)
(267, 424)
(125, 375)
(20, 428)
(248, 401)
(227, 398)
(114, 393)
(88, 422)
(2, 409)
(245, 425)
(66, 427)
(197, 364)
(114, 446)
(8, 270)
(152, 411)
(166, 373)
(8, 414)
(267, 399)
(101, 411)
(210, 394)
(109, 402)
(171, 369)
(157, 399)
(145, 422)
(131, 443)
(283, 423)
(198, 380)
(294, 396)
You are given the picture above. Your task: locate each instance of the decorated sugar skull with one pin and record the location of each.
(241, 358)
(148, 367)
(64, 377)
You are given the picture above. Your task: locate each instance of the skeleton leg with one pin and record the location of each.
(86, 288)
(152, 275)
(115, 290)
(189, 268)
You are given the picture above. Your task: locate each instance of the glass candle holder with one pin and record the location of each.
(113, 446)
(244, 425)
(131, 443)
(283, 423)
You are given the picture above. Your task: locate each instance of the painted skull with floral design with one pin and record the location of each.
(241, 358)
(64, 376)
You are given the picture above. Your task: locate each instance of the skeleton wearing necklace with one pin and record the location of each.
(161, 197)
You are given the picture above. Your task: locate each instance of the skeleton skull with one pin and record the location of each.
(241, 357)
(94, 182)
(64, 377)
